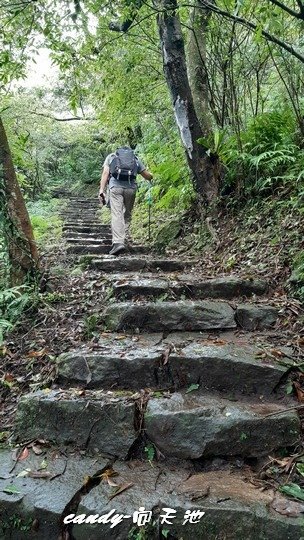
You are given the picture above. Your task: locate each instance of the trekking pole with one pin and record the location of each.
(149, 200)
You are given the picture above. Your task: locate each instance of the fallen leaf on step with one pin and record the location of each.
(121, 489)
(165, 356)
(37, 449)
(276, 352)
(11, 490)
(286, 507)
(111, 482)
(24, 454)
(108, 473)
(39, 474)
(23, 473)
(293, 490)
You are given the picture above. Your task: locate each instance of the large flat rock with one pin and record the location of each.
(97, 421)
(92, 248)
(125, 365)
(170, 316)
(256, 317)
(190, 427)
(229, 502)
(123, 263)
(223, 287)
(84, 249)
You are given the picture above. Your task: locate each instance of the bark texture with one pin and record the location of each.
(196, 65)
(204, 167)
(22, 250)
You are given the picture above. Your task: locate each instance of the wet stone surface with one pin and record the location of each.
(230, 502)
(126, 365)
(169, 316)
(256, 317)
(94, 421)
(189, 427)
(225, 288)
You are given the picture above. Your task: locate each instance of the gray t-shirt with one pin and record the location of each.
(113, 182)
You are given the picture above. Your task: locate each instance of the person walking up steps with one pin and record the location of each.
(120, 169)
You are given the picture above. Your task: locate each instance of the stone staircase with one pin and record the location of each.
(175, 375)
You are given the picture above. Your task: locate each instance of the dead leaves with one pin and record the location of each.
(164, 359)
(24, 454)
(287, 507)
(120, 490)
(107, 476)
(38, 354)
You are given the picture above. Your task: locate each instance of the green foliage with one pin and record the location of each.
(46, 223)
(269, 160)
(15, 522)
(150, 452)
(90, 325)
(13, 301)
(293, 490)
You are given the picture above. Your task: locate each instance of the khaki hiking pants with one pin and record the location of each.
(122, 202)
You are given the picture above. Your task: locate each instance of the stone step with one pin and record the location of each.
(127, 264)
(225, 500)
(189, 426)
(181, 425)
(90, 241)
(89, 224)
(187, 315)
(85, 200)
(99, 420)
(85, 227)
(122, 364)
(151, 286)
(84, 205)
(85, 216)
(92, 248)
(79, 213)
(86, 236)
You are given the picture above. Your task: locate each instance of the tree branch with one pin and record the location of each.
(301, 6)
(290, 11)
(57, 119)
(249, 24)
(125, 25)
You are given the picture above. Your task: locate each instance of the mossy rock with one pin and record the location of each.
(167, 233)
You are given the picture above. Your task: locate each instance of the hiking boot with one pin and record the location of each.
(116, 248)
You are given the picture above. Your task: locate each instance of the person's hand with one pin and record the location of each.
(102, 197)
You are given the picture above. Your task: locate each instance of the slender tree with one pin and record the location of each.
(22, 250)
(204, 166)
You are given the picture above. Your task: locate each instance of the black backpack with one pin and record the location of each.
(124, 164)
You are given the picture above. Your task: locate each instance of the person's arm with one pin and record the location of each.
(103, 182)
(146, 174)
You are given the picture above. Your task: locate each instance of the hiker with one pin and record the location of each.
(120, 170)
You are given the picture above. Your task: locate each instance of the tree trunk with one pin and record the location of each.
(204, 167)
(196, 65)
(22, 250)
